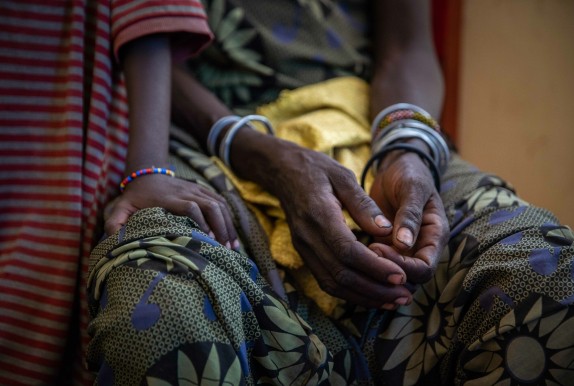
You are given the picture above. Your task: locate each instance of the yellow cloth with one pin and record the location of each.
(330, 117)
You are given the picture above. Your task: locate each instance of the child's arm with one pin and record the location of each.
(146, 64)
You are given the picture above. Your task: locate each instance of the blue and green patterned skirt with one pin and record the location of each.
(171, 306)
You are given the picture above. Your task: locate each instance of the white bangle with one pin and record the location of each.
(224, 147)
(406, 128)
(216, 130)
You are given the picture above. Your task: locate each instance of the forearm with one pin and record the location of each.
(147, 68)
(194, 107)
(406, 67)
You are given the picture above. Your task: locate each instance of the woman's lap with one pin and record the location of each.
(181, 306)
(181, 301)
(497, 309)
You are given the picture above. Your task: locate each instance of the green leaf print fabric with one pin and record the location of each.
(171, 306)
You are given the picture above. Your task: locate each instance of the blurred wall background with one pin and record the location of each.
(516, 96)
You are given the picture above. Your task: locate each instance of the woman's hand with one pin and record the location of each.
(406, 69)
(313, 190)
(405, 191)
(180, 197)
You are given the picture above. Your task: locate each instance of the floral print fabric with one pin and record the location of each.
(264, 47)
(498, 310)
(172, 306)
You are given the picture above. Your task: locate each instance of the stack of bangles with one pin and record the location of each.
(403, 121)
(143, 172)
(236, 123)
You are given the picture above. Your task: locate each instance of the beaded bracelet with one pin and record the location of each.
(224, 147)
(402, 111)
(408, 114)
(142, 172)
(406, 147)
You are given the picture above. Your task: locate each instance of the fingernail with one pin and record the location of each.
(235, 244)
(405, 236)
(211, 234)
(396, 278)
(389, 306)
(382, 222)
(228, 245)
(402, 301)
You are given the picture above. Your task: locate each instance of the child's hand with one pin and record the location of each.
(180, 197)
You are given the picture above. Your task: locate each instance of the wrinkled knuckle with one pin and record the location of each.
(329, 286)
(343, 278)
(413, 215)
(345, 256)
(418, 188)
(342, 246)
(343, 176)
(418, 183)
(213, 206)
(222, 205)
(347, 174)
(365, 203)
(313, 214)
(192, 206)
(308, 207)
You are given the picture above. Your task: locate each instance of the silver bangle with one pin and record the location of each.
(403, 134)
(441, 144)
(216, 130)
(432, 138)
(224, 147)
(444, 152)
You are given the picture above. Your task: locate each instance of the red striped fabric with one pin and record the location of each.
(61, 155)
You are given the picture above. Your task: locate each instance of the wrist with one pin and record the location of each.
(145, 172)
(237, 124)
(255, 156)
(404, 128)
(138, 163)
(404, 122)
(394, 155)
(406, 159)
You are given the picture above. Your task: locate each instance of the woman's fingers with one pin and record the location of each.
(347, 283)
(343, 266)
(404, 189)
(360, 206)
(420, 261)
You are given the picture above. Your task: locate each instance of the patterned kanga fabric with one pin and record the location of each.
(264, 47)
(172, 305)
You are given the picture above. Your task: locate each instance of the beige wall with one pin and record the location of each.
(517, 96)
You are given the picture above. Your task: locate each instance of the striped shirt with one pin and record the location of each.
(63, 139)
